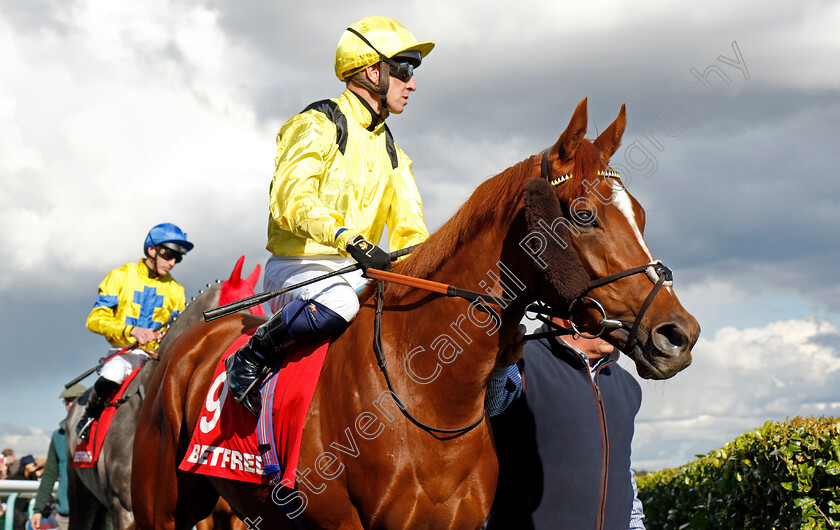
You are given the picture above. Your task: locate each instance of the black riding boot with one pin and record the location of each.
(246, 368)
(102, 390)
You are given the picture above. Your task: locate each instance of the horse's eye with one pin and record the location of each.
(585, 218)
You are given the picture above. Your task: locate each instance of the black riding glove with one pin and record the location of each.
(368, 255)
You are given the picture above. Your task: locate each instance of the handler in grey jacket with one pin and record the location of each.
(563, 423)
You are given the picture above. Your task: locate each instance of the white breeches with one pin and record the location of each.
(339, 293)
(118, 368)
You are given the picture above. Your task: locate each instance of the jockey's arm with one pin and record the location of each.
(102, 320)
(295, 204)
(406, 222)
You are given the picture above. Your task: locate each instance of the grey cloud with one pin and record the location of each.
(829, 340)
(25, 440)
(39, 15)
(58, 343)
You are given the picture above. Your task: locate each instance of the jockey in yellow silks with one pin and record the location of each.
(339, 178)
(134, 302)
(130, 296)
(317, 190)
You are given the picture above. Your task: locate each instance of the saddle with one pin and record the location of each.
(229, 442)
(86, 452)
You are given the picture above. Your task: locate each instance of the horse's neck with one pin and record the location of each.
(457, 339)
(479, 267)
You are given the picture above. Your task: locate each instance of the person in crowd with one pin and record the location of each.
(4, 467)
(135, 301)
(18, 512)
(339, 178)
(563, 420)
(27, 468)
(56, 469)
(40, 462)
(10, 462)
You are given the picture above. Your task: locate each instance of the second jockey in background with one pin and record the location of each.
(339, 178)
(134, 302)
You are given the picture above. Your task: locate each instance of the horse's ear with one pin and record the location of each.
(236, 275)
(610, 139)
(254, 276)
(571, 137)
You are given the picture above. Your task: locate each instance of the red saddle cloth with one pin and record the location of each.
(224, 442)
(87, 450)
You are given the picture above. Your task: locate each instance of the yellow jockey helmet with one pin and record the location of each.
(384, 36)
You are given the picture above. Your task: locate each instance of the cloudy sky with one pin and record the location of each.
(116, 115)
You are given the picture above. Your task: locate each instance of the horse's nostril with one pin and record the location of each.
(669, 339)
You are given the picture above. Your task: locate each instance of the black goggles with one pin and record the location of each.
(403, 71)
(168, 254)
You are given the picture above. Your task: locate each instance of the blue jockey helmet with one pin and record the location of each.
(169, 235)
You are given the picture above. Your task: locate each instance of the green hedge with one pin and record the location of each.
(783, 475)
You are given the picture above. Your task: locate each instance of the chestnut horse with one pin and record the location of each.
(553, 228)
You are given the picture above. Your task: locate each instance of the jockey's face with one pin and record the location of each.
(158, 263)
(398, 92)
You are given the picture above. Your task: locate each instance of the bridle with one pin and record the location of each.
(659, 274)
(655, 271)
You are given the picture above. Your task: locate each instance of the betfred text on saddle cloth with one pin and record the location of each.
(225, 442)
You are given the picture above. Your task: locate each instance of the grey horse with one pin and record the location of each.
(105, 490)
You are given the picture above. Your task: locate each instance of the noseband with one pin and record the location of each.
(656, 272)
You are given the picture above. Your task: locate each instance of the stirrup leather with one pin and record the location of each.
(84, 425)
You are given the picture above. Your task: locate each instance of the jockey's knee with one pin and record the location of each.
(341, 300)
(120, 366)
(307, 318)
(114, 370)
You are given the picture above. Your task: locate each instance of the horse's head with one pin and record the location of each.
(236, 288)
(629, 299)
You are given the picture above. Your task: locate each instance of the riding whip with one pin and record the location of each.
(104, 359)
(245, 303)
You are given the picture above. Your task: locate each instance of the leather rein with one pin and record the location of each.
(380, 358)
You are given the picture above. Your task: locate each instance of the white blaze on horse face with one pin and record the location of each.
(622, 201)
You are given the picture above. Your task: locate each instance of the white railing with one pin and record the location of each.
(19, 488)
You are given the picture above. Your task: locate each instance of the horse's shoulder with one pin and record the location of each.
(214, 337)
(231, 324)
(250, 321)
